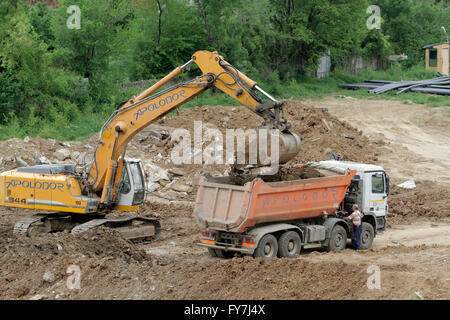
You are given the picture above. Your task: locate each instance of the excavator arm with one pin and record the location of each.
(104, 174)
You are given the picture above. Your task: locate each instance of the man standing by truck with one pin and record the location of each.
(355, 217)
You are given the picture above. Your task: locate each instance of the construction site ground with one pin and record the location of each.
(410, 141)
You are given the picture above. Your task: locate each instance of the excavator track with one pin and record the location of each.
(22, 227)
(135, 229)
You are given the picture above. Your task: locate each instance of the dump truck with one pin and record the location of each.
(266, 219)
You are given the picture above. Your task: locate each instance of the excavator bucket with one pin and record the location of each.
(289, 146)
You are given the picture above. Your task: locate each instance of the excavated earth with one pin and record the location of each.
(412, 255)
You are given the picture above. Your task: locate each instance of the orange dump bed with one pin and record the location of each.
(234, 208)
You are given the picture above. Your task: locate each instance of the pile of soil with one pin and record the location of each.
(426, 201)
(321, 132)
(294, 173)
(249, 278)
(37, 264)
(284, 173)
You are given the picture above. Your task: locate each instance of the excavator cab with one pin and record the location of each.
(132, 191)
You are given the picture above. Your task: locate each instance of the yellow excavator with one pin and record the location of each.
(78, 200)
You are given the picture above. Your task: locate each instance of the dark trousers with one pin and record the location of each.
(357, 234)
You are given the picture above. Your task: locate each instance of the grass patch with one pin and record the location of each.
(80, 128)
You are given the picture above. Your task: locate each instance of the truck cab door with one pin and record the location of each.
(378, 188)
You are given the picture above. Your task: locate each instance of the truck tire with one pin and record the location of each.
(289, 244)
(212, 252)
(267, 247)
(367, 235)
(338, 239)
(224, 254)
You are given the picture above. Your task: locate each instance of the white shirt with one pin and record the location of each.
(356, 218)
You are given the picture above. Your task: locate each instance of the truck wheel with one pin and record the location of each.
(212, 252)
(367, 235)
(338, 239)
(267, 247)
(224, 254)
(289, 244)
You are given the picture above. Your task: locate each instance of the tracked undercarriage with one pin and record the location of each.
(135, 229)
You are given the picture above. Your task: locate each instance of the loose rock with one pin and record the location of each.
(62, 154)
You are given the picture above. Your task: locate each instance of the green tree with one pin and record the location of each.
(305, 30)
(237, 30)
(88, 51)
(41, 19)
(165, 33)
(411, 25)
(31, 85)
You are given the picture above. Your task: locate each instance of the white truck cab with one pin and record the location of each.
(369, 189)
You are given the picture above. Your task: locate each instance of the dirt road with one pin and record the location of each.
(425, 233)
(418, 136)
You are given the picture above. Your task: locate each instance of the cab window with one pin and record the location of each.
(138, 179)
(126, 186)
(377, 183)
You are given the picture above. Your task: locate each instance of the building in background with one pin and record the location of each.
(437, 57)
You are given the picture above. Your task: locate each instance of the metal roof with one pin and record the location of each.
(435, 44)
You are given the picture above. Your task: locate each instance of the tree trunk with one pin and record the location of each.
(205, 20)
(160, 11)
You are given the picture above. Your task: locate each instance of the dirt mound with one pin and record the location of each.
(102, 242)
(294, 173)
(248, 278)
(426, 201)
(32, 265)
(283, 174)
(324, 134)
(321, 132)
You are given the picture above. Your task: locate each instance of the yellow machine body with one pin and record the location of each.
(55, 192)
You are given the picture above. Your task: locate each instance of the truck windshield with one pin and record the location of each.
(377, 183)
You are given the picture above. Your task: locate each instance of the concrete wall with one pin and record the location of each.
(355, 64)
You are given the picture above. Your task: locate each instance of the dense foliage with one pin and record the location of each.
(52, 74)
